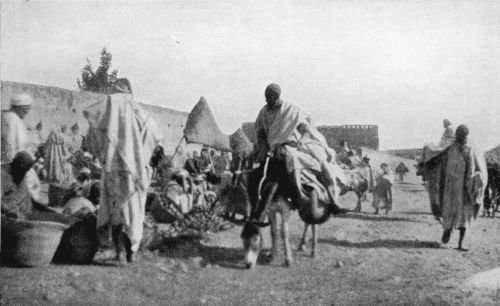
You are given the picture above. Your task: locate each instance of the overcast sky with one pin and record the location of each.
(404, 65)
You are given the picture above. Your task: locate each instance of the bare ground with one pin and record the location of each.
(363, 260)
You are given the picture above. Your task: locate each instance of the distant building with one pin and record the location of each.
(357, 136)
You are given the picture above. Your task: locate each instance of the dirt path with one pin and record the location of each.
(363, 260)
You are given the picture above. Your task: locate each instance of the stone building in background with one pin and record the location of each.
(357, 136)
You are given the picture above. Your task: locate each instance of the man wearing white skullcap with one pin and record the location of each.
(15, 137)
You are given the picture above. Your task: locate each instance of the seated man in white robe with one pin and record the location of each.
(277, 135)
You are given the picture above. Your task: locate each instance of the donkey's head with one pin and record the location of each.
(251, 236)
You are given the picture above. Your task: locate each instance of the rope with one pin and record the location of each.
(176, 150)
(263, 178)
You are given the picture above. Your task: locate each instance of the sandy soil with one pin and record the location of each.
(363, 260)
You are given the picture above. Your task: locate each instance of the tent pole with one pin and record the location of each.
(176, 149)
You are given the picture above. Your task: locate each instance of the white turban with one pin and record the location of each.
(21, 99)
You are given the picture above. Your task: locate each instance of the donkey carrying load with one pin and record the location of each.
(276, 192)
(268, 191)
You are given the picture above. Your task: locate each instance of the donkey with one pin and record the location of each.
(270, 191)
(359, 181)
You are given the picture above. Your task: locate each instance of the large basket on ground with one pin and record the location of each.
(164, 210)
(59, 194)
(30, 243)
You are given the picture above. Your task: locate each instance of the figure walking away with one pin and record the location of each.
(402, 170)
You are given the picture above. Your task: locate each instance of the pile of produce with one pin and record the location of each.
(192, 225)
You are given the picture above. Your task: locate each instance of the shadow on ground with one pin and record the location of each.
(384, 243)
(404, 183)
(412, 190)
(215, 255)
(366, 217)
(415, 213)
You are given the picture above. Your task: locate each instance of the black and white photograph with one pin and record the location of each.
(230, 152)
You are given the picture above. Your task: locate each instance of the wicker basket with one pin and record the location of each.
(164, 210)
(30, 243)
(59, 194)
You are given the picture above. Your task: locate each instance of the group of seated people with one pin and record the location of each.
(22, 177)
(206, 163)
(192, 185)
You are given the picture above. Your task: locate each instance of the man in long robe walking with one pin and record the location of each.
(460, 187)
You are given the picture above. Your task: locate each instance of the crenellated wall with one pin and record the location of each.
(357, 136)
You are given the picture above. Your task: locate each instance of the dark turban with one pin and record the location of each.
(462, 132)
(21, 164)
(273, 89)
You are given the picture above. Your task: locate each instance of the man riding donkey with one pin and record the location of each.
(283, 131)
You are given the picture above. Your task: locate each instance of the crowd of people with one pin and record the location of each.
(130, 159)
(207, 163)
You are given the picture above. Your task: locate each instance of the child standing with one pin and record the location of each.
(383, 189)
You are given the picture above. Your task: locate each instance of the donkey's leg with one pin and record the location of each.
(285, 231)
(315, 240)
(303, 242)
(274, 235)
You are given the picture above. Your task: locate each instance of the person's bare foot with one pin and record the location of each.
(446, 236)
(120, 258)
(132, 257)
(288, 263)
(461, 249)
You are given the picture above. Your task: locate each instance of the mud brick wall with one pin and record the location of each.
(56, 106)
